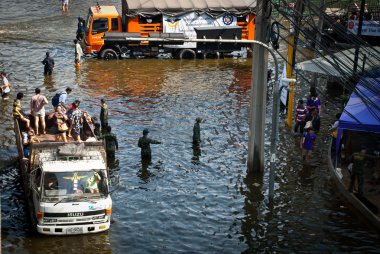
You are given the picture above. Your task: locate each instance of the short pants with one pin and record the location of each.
(65, 2)
(40, 113)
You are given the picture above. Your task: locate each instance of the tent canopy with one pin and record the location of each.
(179, 7)
(341, 63)
(362, 110)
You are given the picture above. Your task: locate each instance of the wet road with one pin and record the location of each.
(183, 203)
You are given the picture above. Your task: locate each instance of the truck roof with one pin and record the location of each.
(104, 10)
(51, 162)
(180, 7)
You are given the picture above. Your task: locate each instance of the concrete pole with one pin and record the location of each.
(258, 92)
(319, 38)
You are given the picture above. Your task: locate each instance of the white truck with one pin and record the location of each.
(66, 185)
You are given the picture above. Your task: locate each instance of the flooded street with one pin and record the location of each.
(184, 202)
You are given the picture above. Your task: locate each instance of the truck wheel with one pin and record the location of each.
(186, 54)
(108, 54)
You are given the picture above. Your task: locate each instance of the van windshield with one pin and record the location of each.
(75, 185)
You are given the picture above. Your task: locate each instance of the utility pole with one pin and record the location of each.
(360, 25)
(258, 90)
(292, 47)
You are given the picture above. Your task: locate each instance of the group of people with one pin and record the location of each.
(67, 119)
(308, 122)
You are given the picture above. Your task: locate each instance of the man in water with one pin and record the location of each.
(111, 145)
(103, 115)
(48, 63)
(5, 88)
(78, 53)
(197, 132)
(144, 144)
(65, 5)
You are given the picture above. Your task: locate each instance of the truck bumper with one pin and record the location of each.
(73, 229)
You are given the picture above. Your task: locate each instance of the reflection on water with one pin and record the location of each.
(190, 199)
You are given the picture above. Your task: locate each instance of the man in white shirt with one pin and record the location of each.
(78, 53)
(5, 88)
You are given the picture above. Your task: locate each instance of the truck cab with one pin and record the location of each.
(70, 193)
(100, 19)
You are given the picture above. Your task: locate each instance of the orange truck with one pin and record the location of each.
(169, 25)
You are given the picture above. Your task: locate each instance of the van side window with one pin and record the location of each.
(100, 25)
(114, 24)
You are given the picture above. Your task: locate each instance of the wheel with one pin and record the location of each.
(187, 54)
(108, 54)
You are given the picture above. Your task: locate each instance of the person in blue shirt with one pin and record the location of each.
(80, 29)
(48, 63)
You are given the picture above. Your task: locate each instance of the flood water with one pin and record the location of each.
(184, 202)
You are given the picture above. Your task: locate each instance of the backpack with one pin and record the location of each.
(55, 99)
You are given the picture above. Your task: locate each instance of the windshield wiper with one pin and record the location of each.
(59, 201)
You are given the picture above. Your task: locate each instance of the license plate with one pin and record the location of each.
(76, 230)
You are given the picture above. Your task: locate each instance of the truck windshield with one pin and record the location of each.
(75, 185)
(88, 23)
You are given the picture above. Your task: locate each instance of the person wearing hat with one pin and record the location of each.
(144, 144)
(197, 131)
(111, 145)
(307, 142)
(48, 63)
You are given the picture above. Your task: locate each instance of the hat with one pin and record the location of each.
(308, 125)
(145, 131)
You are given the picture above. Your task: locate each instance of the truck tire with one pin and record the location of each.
(108, 54)
(186, 54)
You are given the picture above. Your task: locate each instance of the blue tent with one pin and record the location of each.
(362, 112)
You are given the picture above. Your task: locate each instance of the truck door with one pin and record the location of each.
(99, 26)
(35, 187)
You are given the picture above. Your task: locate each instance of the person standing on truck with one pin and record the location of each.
(59, 99)
(37, 109)
(76, 121)
(103, 115)
(48, 63)
(111, 145)
(17, 111)
(5, 87)
(60, 124)
(144, 144)
(78, 53)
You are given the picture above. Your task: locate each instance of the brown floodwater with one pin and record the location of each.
(184, 202)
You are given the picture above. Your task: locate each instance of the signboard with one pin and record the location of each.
(369, 28)
(186, 23)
